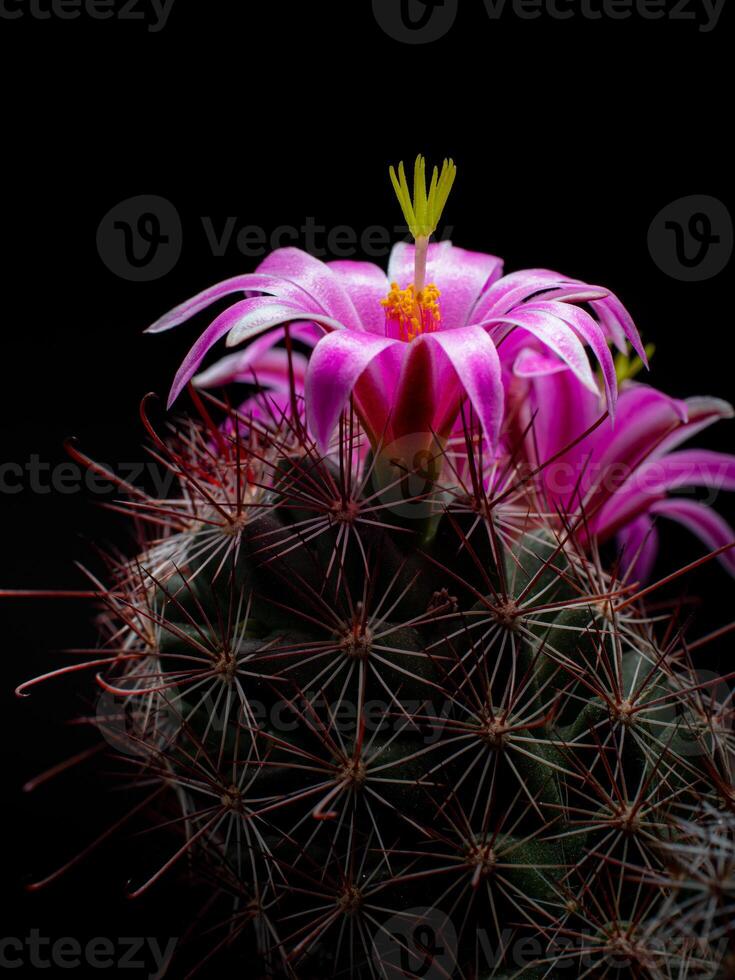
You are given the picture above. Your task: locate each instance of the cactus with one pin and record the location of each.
(353, 723)
(409, 716)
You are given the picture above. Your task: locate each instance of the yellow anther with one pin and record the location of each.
(414, 313)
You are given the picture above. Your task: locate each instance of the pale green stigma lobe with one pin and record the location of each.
(424, 211)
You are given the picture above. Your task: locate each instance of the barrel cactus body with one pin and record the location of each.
(385, 668)
(376, 727)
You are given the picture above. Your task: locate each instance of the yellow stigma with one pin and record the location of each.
(414, 313)
(415, 309)
(424, 211)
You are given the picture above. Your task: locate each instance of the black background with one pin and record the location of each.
(569, 137)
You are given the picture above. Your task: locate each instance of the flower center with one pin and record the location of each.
(411, 313)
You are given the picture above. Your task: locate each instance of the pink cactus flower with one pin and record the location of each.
(443, 329)
(411, 346)
(620, 476)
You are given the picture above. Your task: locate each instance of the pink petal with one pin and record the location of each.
(554, 333)
(415, 400)
(616, 320)
(315, 278)
(590, 332)
(700, 413)
(376, 388)
(652, 481)
(238, 284)
(270, 313)
(564, 410)
(649, 425)
(475, 360)
(367, 285)
(645, 418)
(271, 368)
(638, 544)
(703, 522)
(543, 285)
(256, 349)
(558, 410)
(214, 332)
(334, 369)
(531, 364)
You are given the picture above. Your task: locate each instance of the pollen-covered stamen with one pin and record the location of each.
(409, 314)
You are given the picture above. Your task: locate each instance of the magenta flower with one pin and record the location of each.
(621, 476)
(411, 347)
(444, 329)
